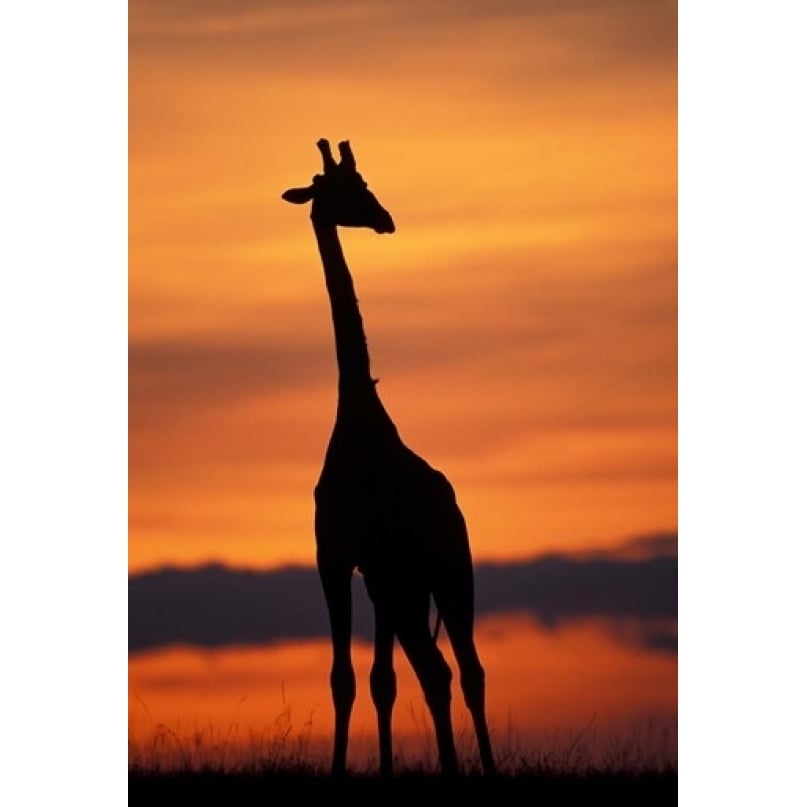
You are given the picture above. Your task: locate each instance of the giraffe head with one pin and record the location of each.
(339, 195)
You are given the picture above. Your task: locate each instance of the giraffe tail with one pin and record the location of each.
(437, 622)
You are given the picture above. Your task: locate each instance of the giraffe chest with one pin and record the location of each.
(363, 493)
(381, 507)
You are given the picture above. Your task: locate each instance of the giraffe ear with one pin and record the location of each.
(299, 196)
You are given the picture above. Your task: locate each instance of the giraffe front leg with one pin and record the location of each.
(336, 586)
(383, 688)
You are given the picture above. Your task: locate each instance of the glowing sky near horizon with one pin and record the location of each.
(522, 319)
(544, 695)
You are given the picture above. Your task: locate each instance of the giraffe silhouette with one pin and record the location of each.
(382, 509)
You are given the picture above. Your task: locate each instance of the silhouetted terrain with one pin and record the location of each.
(531, 788)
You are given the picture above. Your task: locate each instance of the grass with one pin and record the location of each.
(584, 766)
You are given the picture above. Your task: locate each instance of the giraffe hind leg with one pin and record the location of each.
(455, 603)
(472, 682)
(407, 607)
(434, 676)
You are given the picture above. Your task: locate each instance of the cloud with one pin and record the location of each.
(213, 606)
(170, 378)
(646, 546)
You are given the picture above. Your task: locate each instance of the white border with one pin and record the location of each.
(742, 402)
(63, 253)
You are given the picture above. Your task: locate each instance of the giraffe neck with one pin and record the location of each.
(352, 357)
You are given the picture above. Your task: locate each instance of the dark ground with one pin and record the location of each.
(535, 789)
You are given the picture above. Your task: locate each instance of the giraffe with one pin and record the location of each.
(383, 510)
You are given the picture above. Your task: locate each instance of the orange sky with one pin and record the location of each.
(522, 319)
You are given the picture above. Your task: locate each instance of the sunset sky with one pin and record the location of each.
(522, 320)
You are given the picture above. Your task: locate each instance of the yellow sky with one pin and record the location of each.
(522, 319)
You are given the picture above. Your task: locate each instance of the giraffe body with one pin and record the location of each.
(396, 511)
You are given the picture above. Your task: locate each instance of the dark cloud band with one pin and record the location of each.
(213, 606)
